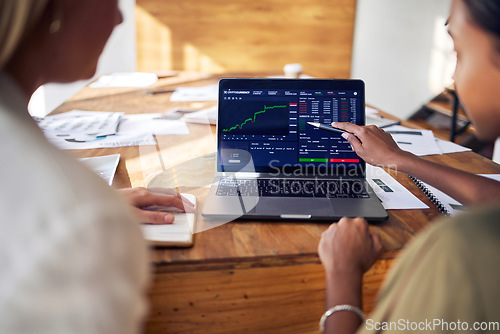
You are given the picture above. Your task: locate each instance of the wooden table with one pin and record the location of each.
(252, 277)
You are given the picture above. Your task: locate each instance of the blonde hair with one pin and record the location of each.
(16, 18)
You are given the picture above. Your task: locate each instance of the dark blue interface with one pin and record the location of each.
(271, 126)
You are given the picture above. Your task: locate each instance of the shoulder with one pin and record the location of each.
(477, 226)
(44, 186)
(456, 240)
(36, 173)
(447, 272)
(47, 195)
(65, 233)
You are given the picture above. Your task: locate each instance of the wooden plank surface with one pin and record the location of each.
(220, 36)
(247, 244)
(252, 277)
(279, 299)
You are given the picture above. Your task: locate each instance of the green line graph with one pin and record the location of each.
(252, 119)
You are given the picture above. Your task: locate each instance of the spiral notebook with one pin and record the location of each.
(446, 204)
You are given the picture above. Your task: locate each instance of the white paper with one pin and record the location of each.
(117, 140)
(392, 194)
(449, 147)
(203, 93)
(151, 124)
(125, 79)
(418, 142)
(495, 177)
(203, 116)
(80, 122)
(381, 122)
(104, 166)
(370, 111)
(79, 129)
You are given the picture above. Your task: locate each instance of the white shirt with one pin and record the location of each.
(72, 257)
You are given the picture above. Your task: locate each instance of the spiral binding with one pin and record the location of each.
(431, 196)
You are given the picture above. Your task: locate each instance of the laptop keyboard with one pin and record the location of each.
(341, 188)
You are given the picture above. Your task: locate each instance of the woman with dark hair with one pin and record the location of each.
(446, 280)
(474, 85)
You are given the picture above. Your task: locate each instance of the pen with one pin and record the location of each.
(326, 127)
(160, 92)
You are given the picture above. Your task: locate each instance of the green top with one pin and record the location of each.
(448, 273)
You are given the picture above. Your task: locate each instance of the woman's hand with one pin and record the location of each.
(141, 199)
(348, 248)
(373, 145)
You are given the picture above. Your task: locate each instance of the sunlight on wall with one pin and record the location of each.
(443, 59)
(156, 49)
(196, 61)
(156, 38)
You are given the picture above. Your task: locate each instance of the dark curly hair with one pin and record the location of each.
(485, 14)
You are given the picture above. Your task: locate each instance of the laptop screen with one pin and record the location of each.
(263, 125)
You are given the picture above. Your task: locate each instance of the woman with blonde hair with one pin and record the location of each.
(72, 256)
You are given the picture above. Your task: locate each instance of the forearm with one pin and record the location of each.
(467, 188)
(343, 289)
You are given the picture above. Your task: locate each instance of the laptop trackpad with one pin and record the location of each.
(268, 206)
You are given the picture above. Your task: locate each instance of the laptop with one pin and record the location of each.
(273, 165)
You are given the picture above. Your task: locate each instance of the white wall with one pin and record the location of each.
(119, 55)
(403, 52)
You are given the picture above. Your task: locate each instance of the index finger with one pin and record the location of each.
(349, 127)
(169, 200)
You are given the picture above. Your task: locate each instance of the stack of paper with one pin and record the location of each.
(78, 122)
(203, 116)
(391, 193)
(449, 147)
(79, 129)
(203, 93)
(418, 142)
(154, 124)
(104, 166)
(125, 79)
(410, 139)
(371, 118)
(422, 142)
(78, 126)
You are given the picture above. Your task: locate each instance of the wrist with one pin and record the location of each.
(344, 279)
(403, 161)
(343, 289)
